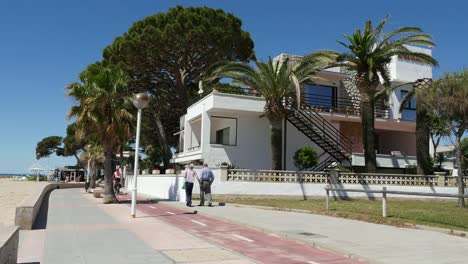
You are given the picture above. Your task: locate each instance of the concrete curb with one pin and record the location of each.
(443, 230)
(9, 239)
(27, 211)
(309, 242)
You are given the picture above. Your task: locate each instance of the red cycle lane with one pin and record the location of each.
(260, 246)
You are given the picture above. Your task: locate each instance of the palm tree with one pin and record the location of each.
(95, 155)
(274, 80)
(423, 130)
(104, 108)
(368, 54)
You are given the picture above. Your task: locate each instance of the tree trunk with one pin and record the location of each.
(276, 127)
(461, 184)
(436, 145)
(162, 139)
(368, 131)
(78, 161)
(108, 195)
(423, 133)
(92, 181)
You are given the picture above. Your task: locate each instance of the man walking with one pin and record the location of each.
(189, 175)
(205, 181)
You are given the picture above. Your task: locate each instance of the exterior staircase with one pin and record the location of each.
(319, 131)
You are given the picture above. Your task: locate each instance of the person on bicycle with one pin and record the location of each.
(116, 179)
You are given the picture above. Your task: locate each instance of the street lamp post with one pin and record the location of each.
(140, 101)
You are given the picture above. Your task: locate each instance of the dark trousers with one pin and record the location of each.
(188, 192)
(205, 190)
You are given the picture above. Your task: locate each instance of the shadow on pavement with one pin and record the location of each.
(29, 263)
(127, 201)
(185, 213)
(41, 219)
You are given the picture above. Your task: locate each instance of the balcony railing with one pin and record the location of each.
(341, 105)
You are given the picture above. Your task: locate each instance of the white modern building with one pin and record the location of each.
(230, 128)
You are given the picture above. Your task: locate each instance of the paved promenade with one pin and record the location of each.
(78, 229)
(378, 243)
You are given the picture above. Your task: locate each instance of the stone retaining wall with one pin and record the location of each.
(9, 238)
(27, 211)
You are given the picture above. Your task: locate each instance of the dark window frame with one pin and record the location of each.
(334, 95)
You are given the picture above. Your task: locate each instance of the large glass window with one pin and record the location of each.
(409, 109)
(320, 95)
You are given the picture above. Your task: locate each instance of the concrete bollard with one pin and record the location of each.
(224, 173)
(384, 201)
(97, 194)
(440, 178)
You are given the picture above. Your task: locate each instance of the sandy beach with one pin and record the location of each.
(13, 193)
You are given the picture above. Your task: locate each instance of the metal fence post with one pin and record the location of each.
(384, 201)
(328, 199)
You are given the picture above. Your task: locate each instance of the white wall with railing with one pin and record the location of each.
(293, 183)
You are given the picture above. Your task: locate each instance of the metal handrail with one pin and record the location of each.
(340, 104)
(384, 193)
(322, 165)
(327, 129)
(329, 140)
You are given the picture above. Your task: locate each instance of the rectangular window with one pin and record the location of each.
(223, 130)
(320, 95)
(409, 110)
(222, 136)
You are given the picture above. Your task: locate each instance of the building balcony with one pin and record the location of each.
(340, 105)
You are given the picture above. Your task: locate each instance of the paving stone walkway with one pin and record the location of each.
(373, 242)
(77, 228)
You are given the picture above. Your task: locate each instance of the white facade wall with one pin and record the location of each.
(253, 143)
(402, 70)
(253, 149)
(195, 135)
(385, 161)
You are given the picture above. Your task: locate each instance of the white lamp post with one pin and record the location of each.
(140, 101)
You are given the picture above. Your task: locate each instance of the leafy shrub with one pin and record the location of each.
(33, 178)
(305, 158)
(230, 89)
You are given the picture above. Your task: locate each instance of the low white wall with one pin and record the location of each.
(170, 187)
(164, 186)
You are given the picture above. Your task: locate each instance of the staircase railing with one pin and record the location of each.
(331, 136)
(324, 164)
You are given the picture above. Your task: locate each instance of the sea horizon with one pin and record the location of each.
(14, 174)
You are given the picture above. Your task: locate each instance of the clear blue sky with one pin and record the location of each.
(45, 44)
